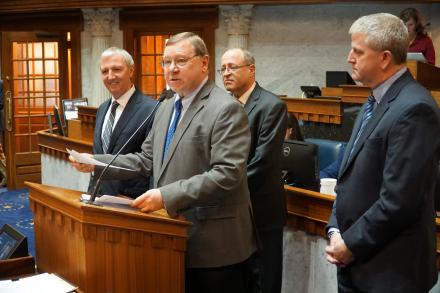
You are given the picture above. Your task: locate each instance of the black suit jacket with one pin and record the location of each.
(135, 112)
(267, 116)
(384, 206)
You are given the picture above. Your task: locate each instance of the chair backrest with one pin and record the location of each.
(328, 150)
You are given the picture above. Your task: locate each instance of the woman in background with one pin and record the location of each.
(419, 41)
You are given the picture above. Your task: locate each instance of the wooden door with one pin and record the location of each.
(34, 80)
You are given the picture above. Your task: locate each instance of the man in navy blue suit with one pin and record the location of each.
(117, 69)
(382, 228)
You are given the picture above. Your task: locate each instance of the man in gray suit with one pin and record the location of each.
(267, 116)
(382, 228)
(197, 152)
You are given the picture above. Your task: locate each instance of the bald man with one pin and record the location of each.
(267, 116)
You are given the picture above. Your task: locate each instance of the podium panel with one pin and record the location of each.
(107, 248)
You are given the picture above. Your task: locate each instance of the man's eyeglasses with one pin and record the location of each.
(179, 62)
(232, 68)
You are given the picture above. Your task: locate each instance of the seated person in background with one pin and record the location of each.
(293, 131)
(332, 170)
(419, 41)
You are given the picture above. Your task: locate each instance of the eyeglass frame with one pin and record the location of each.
(231, 69)
(176, 62)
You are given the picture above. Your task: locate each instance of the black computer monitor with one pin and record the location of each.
(301, 164)
(338, 78)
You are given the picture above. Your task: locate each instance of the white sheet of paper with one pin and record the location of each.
(42, 283)
(81, 158)
(109, 199)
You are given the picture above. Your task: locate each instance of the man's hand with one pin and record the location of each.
(150, 201)
(337, 252)
(86, 168)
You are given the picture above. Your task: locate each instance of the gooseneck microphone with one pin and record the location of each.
(98, 182)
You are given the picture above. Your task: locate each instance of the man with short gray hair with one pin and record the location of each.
(119, 117)
(382, 228)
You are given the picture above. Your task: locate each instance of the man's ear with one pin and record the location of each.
(386, 60)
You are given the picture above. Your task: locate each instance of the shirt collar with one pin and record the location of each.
(123, 100)
(381, 89)
(244, 97)
(187, 100)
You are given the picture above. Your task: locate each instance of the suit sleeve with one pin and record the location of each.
(412, 144)
(141, 162)
(228, 152)
(269, 142)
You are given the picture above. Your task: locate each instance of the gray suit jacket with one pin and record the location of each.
(203, 176)
(384, 206)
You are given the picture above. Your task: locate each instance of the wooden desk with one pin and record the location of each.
(316, 110)
(309, 211)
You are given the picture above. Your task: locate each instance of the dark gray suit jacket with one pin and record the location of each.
(135, 112)
(267, 116)
(203, 176)
(385, 207)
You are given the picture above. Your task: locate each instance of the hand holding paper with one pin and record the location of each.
(82, 162)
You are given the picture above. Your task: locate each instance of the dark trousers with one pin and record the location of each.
(266, 265)
(345, 285)
(227, 279)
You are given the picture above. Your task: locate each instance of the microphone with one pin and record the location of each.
(98, 182)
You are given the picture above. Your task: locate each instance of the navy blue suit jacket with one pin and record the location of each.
(135, 112)
(385, 206)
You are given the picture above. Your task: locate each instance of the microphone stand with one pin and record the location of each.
(98, 182)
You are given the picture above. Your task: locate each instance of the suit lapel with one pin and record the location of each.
(253, 99)
(130, 109)
(384, 105)
(197, 104)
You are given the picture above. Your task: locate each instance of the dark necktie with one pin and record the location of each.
(173, 126)
(109, 127)
(365, 118)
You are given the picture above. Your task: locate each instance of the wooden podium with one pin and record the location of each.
(107, 248)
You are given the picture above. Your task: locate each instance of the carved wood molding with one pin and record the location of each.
(315, 110)
(46, 5)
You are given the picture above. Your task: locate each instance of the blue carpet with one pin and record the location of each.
(15, 211)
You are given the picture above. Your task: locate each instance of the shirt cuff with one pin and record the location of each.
(331, 231)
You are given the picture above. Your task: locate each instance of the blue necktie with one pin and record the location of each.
(173, 126)
(365, 118)
(109, 127)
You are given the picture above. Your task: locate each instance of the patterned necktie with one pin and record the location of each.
(173, 126)
(365, 118)
(109, 127)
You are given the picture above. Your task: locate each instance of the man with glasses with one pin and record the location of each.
(267, 116)
(196, 152)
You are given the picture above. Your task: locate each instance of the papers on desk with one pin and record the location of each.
(82, 158)
(42, 283)
(109, 199)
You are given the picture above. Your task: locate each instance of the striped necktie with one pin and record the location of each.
(173, 126)
(109, 127)
(365, 118)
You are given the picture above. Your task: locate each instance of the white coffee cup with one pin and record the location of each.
(328, 186)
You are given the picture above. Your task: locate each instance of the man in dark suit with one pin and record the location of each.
(267, 116)
(117, 68)
(382, 228)
(197, 151)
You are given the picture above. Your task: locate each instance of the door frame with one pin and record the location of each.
(50, 22)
